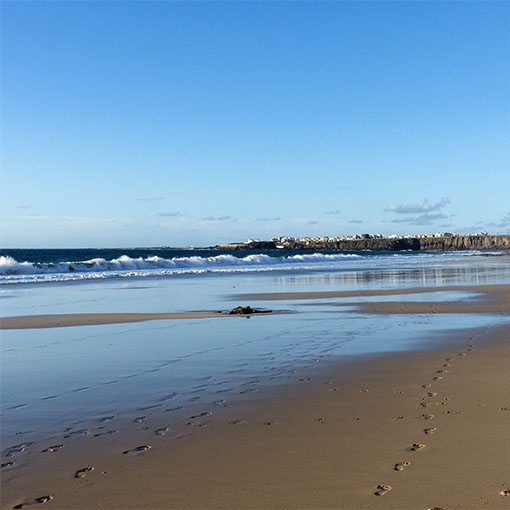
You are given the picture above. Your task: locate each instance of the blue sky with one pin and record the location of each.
(175, 123)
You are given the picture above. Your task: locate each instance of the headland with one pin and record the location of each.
(375, 242)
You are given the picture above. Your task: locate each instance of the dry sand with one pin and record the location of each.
(326, 441)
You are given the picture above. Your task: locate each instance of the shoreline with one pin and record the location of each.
(493, 300)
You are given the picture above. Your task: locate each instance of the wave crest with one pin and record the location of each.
(100, 267)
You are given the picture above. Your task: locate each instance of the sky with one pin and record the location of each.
(195, 123)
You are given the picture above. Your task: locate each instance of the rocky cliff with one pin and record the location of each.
(450, 243)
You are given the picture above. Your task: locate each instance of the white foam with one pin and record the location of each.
(12, 271)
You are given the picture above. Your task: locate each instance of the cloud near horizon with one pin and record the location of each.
(268, 219)
(338, 211)
(504, 222)
(217, 218)
(421, 219)
(424, 206)
(173, 214)
(149, 199)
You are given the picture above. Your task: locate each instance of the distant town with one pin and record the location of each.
(283, 240)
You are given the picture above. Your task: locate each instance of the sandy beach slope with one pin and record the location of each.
(414, 430)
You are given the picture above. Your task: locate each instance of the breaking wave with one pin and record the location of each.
(12, 271)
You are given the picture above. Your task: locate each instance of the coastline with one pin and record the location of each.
(322, 441)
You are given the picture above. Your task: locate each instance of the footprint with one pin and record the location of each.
(53, 448)
(138, 449)
(430, 430)
(398, 417)
(364, 390)
(19, 448)
(177, 408)
(432, 394)
(382, 489)
(505, 492)
(201, 415)
(140, 419)
(320, 420)
(36, 501)
(236, 422)
(251, 390)
(81, 473)
(222, 403)
(170, 396)
(7, 465)
(268, 423)
(437, 378)
(442, 371)
(401, 466)
(81, 432)
(106, 419)
(148, 408)
(107, 433)
(416, 446)
(428, 385)
(426, 404)
(17, 406)
(161, 432)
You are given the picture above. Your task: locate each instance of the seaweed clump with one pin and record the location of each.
(242, 310)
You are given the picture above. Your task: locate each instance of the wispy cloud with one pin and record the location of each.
(149, 199)
(217, 218)
(23, 207)
(173, 214)
(421, 207)
(504, 222)
(338, 211)
(312, 223)
(421, 219)
(354, 221)
(268, 219)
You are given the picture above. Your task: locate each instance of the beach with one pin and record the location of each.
(365, 396)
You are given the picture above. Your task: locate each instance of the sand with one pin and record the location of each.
(94, 319)
(494, 299)
(332, 439)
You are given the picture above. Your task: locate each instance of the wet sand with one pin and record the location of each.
(409, 430)
(493, 299)
(327, 441)
(94, 319)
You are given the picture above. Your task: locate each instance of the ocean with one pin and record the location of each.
(61, 265)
